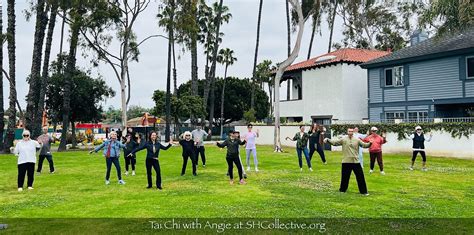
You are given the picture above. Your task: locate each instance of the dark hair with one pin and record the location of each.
(249, 125)
(301, 126)
(313, 126)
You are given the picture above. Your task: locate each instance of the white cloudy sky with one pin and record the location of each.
(150, 73)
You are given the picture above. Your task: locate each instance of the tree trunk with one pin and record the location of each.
(212, 74)
(10, 135)
(2, 111)
(282, 67)
(73, 135)
(271, 100)
(312, 39)
(222, 101)
(175, 78)
(35, 77)
(333, 18)
(194, 68)
(168, 75)
(288, 27)
(212, 99)
(124, 77)
(47, 52)
(252, 99)
(70, 66)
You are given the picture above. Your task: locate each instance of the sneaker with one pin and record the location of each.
(195, 174)
(366, 194)
(382, 172)
(52, 172)
(204, 165)
(126, 172)
(371, 171)
(231, 182)
(107, 182)
(256, 169)
(159, 187)
(325, 163)
(310, 169)
(20, 189)
(30, 188)
(121, 182)
(301, 169)
(248, 168)
(245, 176)
(242, 181)
(38, 173)
(411, 168)
(424, 169)
(133, 172)
(149, 187)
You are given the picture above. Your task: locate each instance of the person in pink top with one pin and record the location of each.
(250, 147)
(375, 149)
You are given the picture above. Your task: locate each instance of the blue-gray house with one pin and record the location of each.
(433, 78)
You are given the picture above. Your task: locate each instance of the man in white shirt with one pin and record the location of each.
(25, 149)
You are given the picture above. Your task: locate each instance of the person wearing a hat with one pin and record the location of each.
(232, 156)
(301, 139)
(375, 149)
(419, 146)
(187, 144)
(350, 161)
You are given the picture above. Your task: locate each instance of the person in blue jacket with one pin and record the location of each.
(112, 154)
(153, 151)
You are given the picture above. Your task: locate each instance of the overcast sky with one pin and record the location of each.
(150, 73)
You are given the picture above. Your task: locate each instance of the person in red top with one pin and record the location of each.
(375, 149)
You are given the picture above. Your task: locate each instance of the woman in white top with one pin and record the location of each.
(25, 149)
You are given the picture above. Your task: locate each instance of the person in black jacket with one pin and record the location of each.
(232, 156)
(316, 137)
(130, 145)
(153, 151)
(188, 152)
(419, 146)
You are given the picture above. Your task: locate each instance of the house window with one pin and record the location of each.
(419, 116)
(394, 76)
(470, 67)
(390, 116)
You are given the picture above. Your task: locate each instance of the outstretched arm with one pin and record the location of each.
(165, 148)
(335, 142)
(221, 145)
(98, 148)
(364, 144)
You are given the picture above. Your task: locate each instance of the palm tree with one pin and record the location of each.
(264, 75)
(331, 23)
(2, 111)
(10, 136)
(226, 57)
(317, 11)
(252, 99)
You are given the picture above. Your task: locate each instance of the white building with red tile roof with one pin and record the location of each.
(328, 87)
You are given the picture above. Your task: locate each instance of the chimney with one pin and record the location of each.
(417, 37)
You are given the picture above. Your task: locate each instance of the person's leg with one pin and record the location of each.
(192, 162)
(423, 156)
(185, 162)
(413, 159)
(372, 161)
(108, 163)
(243, 170)
(31, 173)
(21, 175)
(345, 176)
(230, 166)
(40, 163)
(380, 161)
(116, 162)
(127, 163)
(148, 171)
(300, 160)
(320, 151)
(361, 157)
(51, 163)
(306, 155)
(239, 166)
(203, 155)
(359, 173)
(312, 149)
(247, 154)
(134, 162)
(156, 165)
(255, 159)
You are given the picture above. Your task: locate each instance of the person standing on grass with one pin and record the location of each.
(316, 138)
(130, 145)
(187, 144)
(375, 149)
(112, 154)
(250, 147)
(360, 136)
(419, 146)
(301, 139)
(45, 151)
(199, 135)
(153, 147)
(232, 156)
(350, 161)
(25, 149)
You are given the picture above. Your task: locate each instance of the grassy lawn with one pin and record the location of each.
(279, 190)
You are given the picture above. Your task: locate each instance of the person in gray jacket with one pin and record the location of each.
(45, 151)
(199, 135)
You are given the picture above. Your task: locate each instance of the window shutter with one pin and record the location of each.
(462, 68)
(382, 77)
(406, 75)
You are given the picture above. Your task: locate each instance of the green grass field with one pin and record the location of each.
(279, 190)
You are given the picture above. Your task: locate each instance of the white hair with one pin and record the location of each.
(187, 133)
(26, 132)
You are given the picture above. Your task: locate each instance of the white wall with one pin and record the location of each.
(354, 101)
(442, 143)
